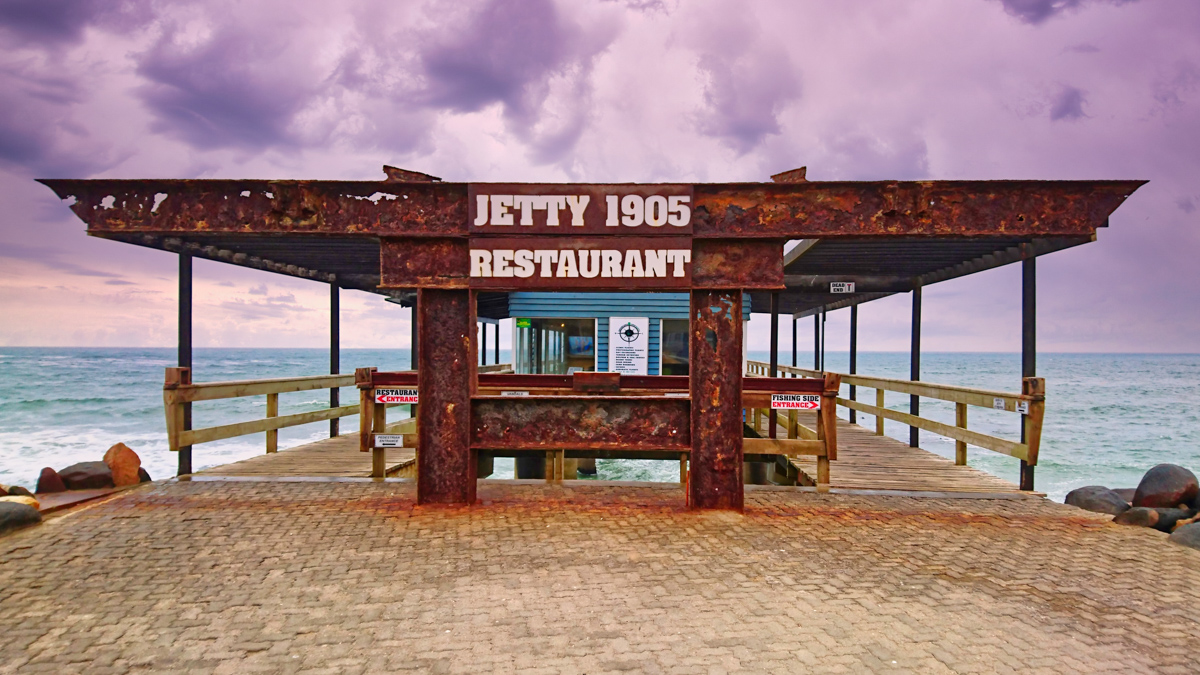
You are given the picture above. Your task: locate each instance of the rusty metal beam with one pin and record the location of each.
(715, 343)
(721, 210)
(446, 370)
(580, 423)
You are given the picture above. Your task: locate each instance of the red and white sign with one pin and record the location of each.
(795, 402)
(395, 395)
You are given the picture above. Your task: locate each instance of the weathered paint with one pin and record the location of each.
(580, 423)
(730, 263)
(446, 372)
(715, 479)
(423, 263)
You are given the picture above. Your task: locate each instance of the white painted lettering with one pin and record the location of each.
(633, 209)
(481, 262)
(633, 264)
(677, 256)
(592, 270)
(554, 203)
(524, 263)
(612, 206)
(545, 259)
(527, 203)
(500, 206)
(656, 263)
(611, 263)
(681, 213)
(566, 263)
(500, 261)
(481, 217)
(578, 204)
(656, 211)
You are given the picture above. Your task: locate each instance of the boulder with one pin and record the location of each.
(14, 516)
(21, 499)
(1166, 486)
(87, 476)
(1097, 498)
(18, 491)
(50, 481)
(143, 475)
(1162, 520)
(1188, 535)
(1125, 493)
(124, 463)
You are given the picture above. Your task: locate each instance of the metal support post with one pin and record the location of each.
(715, 343)
(794, 353)
(446, 466)
(774, 372)
(853, 357)
(1028, 340)
(817, 341)
(914, 373)
(185, 351)
(335, 350)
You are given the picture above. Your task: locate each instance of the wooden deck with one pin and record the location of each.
(869, 462)
(331, 457)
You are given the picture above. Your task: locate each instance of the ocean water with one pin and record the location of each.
(1109, 417)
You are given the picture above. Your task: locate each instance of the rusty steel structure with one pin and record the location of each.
(423, 240)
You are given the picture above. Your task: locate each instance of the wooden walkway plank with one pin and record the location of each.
(338, 456)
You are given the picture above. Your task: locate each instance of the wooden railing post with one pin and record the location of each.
(379, 425)
(174, 379)
(1035, 387)
(960, 420)
(273, 411)
(366, 406)
(879, 418)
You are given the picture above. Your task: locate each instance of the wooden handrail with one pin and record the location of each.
(1031, 403)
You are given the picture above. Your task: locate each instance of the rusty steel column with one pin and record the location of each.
(1028, 339)
(715, 480)
(445, 379)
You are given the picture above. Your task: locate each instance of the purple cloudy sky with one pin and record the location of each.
(653, 90)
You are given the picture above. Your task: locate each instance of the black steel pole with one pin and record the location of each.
(915, 367)
(817, 341)
(773, 416)
(335, 350)
(1028, 341)
(853, 355)
(482, 344)
(185, 350)
(794, 342)
(822, 339)
(497, 352)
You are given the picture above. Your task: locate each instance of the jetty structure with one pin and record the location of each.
(630, 301)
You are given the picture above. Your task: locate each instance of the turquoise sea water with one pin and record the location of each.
(1109, 417)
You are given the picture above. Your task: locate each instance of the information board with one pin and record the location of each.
(628, 344)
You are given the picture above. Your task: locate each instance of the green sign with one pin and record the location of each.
(524, 323)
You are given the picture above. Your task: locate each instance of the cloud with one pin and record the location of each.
(52, 258)
(57, 22)
(1186, 205)
(1068, 104)
(1039, 11)
(260, 289)
(748, 82)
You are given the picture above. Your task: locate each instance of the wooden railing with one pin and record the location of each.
(1031, 403)
(179, 391)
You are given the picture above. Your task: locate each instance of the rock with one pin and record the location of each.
(50, 481)
(18, 491)
(1125, 493)
(1165, 486)
(87, 476)
(1097, 498)
(1162, 520)
(124, 463)
(143, 475)
(21, 499)
(1188, 535)
(14, 516)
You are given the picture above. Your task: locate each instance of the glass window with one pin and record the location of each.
(673, 349)
(554, 346)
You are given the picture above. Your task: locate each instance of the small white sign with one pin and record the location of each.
(389, 440)
(998, 403)
(514, 393)
(795, 402)
(841, 287)
(1023, 407)
(628, 344)
(677, 394)
(396, 396)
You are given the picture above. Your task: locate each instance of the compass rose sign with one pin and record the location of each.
(629, 332)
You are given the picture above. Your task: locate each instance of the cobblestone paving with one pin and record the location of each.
(352, 577)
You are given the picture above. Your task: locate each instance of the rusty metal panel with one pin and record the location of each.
(423, 263)
(275, 206)
(715, 478)
(580, 423)
(446, 466)
(595, 382)
(732, 263)
(401, 378)
(507, 209)
(891, 208)
(593, 263)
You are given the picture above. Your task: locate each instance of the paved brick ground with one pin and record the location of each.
(351, 577)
